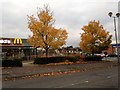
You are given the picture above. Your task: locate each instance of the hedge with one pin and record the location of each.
(46, 60)
(92, 58)
(112, 55)
(12, 63)
(73, 58)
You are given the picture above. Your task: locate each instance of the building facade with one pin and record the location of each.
(15, 48)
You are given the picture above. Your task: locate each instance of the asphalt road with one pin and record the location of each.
(105, 78)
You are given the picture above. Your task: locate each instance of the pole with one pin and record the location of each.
(116, 39)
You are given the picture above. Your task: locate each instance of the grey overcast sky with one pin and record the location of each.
(69, 14)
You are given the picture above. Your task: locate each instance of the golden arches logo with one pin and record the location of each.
(17, 41)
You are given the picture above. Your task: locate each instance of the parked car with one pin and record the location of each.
(101, 54)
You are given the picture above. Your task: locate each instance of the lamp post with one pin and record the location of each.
(114, 17)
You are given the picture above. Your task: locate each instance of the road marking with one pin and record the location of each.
(108, 77)
(73, 84)
(86, 81)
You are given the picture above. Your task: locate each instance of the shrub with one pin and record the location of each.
(92, 58)
(112, 55)
(73, 58)
(12, 63)
(46, 60)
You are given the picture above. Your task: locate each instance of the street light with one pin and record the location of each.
(117, 16)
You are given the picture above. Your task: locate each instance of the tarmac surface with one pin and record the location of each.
(86, 75)
(30, 69)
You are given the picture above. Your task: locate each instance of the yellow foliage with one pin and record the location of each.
(94, 38)
(44, 34)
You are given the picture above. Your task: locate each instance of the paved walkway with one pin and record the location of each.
(31, 69)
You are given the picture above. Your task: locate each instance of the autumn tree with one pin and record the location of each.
(94, 38)
(45, 35)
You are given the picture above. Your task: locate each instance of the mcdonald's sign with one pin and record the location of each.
(17, 41)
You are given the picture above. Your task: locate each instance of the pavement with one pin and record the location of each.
(30, 69)
(92, 78)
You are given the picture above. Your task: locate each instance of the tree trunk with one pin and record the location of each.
(92, 53)
(92, 56)
(46, 51)
(36, 52)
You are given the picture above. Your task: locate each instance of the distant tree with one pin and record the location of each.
(94, 38)
(44, 34)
